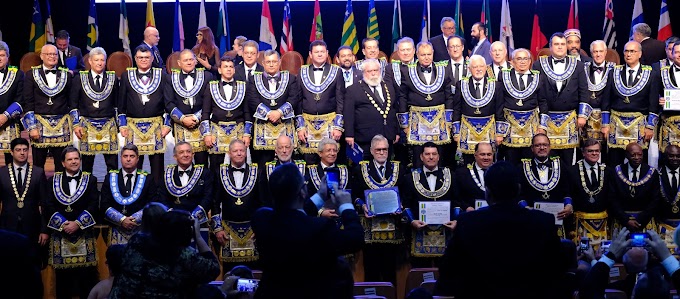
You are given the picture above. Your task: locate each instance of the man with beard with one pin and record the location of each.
(669, 212)
(470, 184)
(346, 60)
(440, 42)
(499, 55)
(597, 74)
(574, 44)
(480, 43)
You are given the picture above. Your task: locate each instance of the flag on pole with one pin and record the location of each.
(486, 19)
(267, 37)
(150, 20)
(637, 16)
(49, 28)
(223, 28)
(178, 29)
(287, 34)
(458, 19)
(664, 23)
(92, 28)
(538, 39)
(124, 29)
(506, 27)
(349, 30)
(425, 25)
(201, 16)
(609, 30)
(573, 15)
(317, 27)
(396, 24)
(37, 38)
(372, 29)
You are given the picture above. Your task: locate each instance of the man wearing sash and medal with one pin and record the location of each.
(525, 110)
(565, 87)
(125, 193)
(475, 109)
(669, 210)
(94, 96)
(184, 92)
(47, 118)
(631, 112)
(71, 203)
(272, 97)
(141, 110)
(597, 73)
(319, 114)
(225, 114)
(11, 93)
(235, 202)
(187, 186)
(668, 61)
(406, 52)
(246, 70)
(429, 183)
(383, 234)
(669, 131)
(426, 105)
(633, 188)
(345, 59)
(284, 154)
(328, 154)
(543, 181)
(469, 181)
(589, 196)
(498, 62)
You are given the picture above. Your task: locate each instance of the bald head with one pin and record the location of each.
(151, 36)
(498, 52)
(635, 260)
(284, 148)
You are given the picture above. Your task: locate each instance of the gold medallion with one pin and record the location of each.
(428, 98)
(96, 104)
(68, 209)
(20, 204)
(626, 100)
(675, 208)
(317, 97)
(238, 201)
(593, 96)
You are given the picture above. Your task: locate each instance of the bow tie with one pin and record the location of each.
(543, 164)
(183, 172)
(4, 71)
(230, 83)
(54, 71)
(426, 69)
(273, 78)
(559, 60)
(234, 169)
(72, 178)
(675, 69)
(598, 68)
(317, 69)
(433, 172)
(192, 75)
(140, 75)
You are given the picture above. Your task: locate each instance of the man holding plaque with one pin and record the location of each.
(11, 98)
(184, 93)
(597, 74)
(382, 232)
(469, 181)
(670, 119)
(235, 202)
(545, 184)
(125, 193)
(427, 195)
(669, 211)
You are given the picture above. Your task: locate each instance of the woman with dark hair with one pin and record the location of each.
(151, 215)
(162, 264)
(207, 53)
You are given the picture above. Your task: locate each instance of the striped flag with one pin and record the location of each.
(538, 39)
(372, 29)
(201, 16)
(609, 30)
(506, 26)
(425, 24)
(317, 26)
(37, 37)
(267, 37)
(458, 19)
(485, 19)
(49, 28)
(637, 16)
(124, 29)
(396, 24)
(349, 30)
(223, 28)
(573, 15)
(92, 28)
(664, 23)
(178, 29)
(287, 34)
(150, 20)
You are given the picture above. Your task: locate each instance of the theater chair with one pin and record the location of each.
(368, 297)
(428, 285)
(291, 61)
(86, 61)
(612, 56)
(618, 272)
(29, 60)
(416, 276)
(384, 289)
(394, 56)
(118, 62)
(615, 294)
(172, 62)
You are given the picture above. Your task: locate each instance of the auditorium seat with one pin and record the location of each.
(618, 272)
(291, 61)
(385, 289)
(428, 285)
(118, 62)
(231, 53)
(394, 56)
(86, 61)
(382, 54)
(584, 53)
(416, 276)
(29, 60)
(542, 52)
(612, 56)
(260, 58)
(172, 62)
(615, 294)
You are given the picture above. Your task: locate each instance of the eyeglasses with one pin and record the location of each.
(522, 58)
(448, 28)
(143, 57)
(455, 47)
(630, 51)
(540, 145)
(50, 54)
(270, 62)
(199, 34)
(382, 149)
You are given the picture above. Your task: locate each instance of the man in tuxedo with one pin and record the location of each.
(633, 188)
(226, 115)
(564, 87)
(440, 42)
(246, 70)
(184, 93)
(668, 214)
(499, 59)
(597, 75)
(370, 109)
(94, 96)
(24, 186)
(187, 186)
(46, 103)
(653, 50)
(670, 120)
(631, 112)
(406, 52)
(70, 209)
(472, 251)
(124, 194)
(150, 42)
(283, 230)
(284, 154)
(574, 44)
(70, 57)
(480, 42)
(141, 110)
(320, 111)
(346, 61)
(457, 62)
(12, 81)
(469, 181)
(328, 155)
(235, 202)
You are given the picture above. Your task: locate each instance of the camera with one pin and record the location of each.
(638, 239)
(584, 244)
(246, 285)
(332, 179)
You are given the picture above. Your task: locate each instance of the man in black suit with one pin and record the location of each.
(319, 271)
(574, 44)
(370, 109)
(20, 276)
(70, 57)
(406, 50)
(668, 213)
(46, 99)
(12, 82)
(94, 95)
(597, 75)
(440, 42)
(668, 60)
(71, 205)
(246, 70)
(499, 59)
(150, 42)
(631, 112)
(469, 181)
(536, 264)
(670, 120)
(124, 195)
(371, 50)
(653, 50)
(328, 155)
(284, 154)
(346, 60)
(456, 60)
(141, 110)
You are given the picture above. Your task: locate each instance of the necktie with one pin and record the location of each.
(97, 82)
(674, 180)
(456, 72)
(381, 169)
(250, 75)
(54, 71)
(498, 70)
(593, 176)
(231, 83)
(635, 178)
(346, 75)
(522, 86)
(558, 61)
(128, 183)
(426, 69)
(20, 179)
(376, 93)
(478, 93)
(631, 77)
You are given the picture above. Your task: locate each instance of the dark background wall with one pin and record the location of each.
(244, 19)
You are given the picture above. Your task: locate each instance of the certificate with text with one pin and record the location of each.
(550, 208)
(435, 212)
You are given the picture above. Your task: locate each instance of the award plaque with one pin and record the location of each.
(383, 201)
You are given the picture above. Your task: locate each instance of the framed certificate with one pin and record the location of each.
(383, 201)
(672, 98)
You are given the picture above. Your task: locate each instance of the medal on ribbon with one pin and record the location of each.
(396, 71)
(138, 87)
(9, 79)
(425, 191)
(134, 195)
(626, 91)
(187, 93)
(427, 89)
(591, 194)
(472, 170)
(264, 91)
(474, 102)
(301, 165)
(568, 70)
(536, 182)
(388, 182)
(94, 95)
(228, 104)
(316, 178)
(20, 198)
(179, 191)
(666, 78)
(247, 186)
(50, 92)
(314, 88)
(68, 200)
(520, 94)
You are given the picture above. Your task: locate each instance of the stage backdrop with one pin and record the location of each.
(244, 19)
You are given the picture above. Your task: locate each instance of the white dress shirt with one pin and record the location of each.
(630, 172)
(50, 78)
(588, 168)
(251, 69)
(431, 179)
(189, 84)
(377, 169)
(72, 184)
(524, 77)
(24, 168)
(598, 76)
(318, 74)
(184, 178)
(670, 176)
(480, 172)
(628, 69)
(228, 90)
(238, 176)
(559, 68)
(461, 67)
(145, 98)
(428, 76)
(133, 178)
(542, 171)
